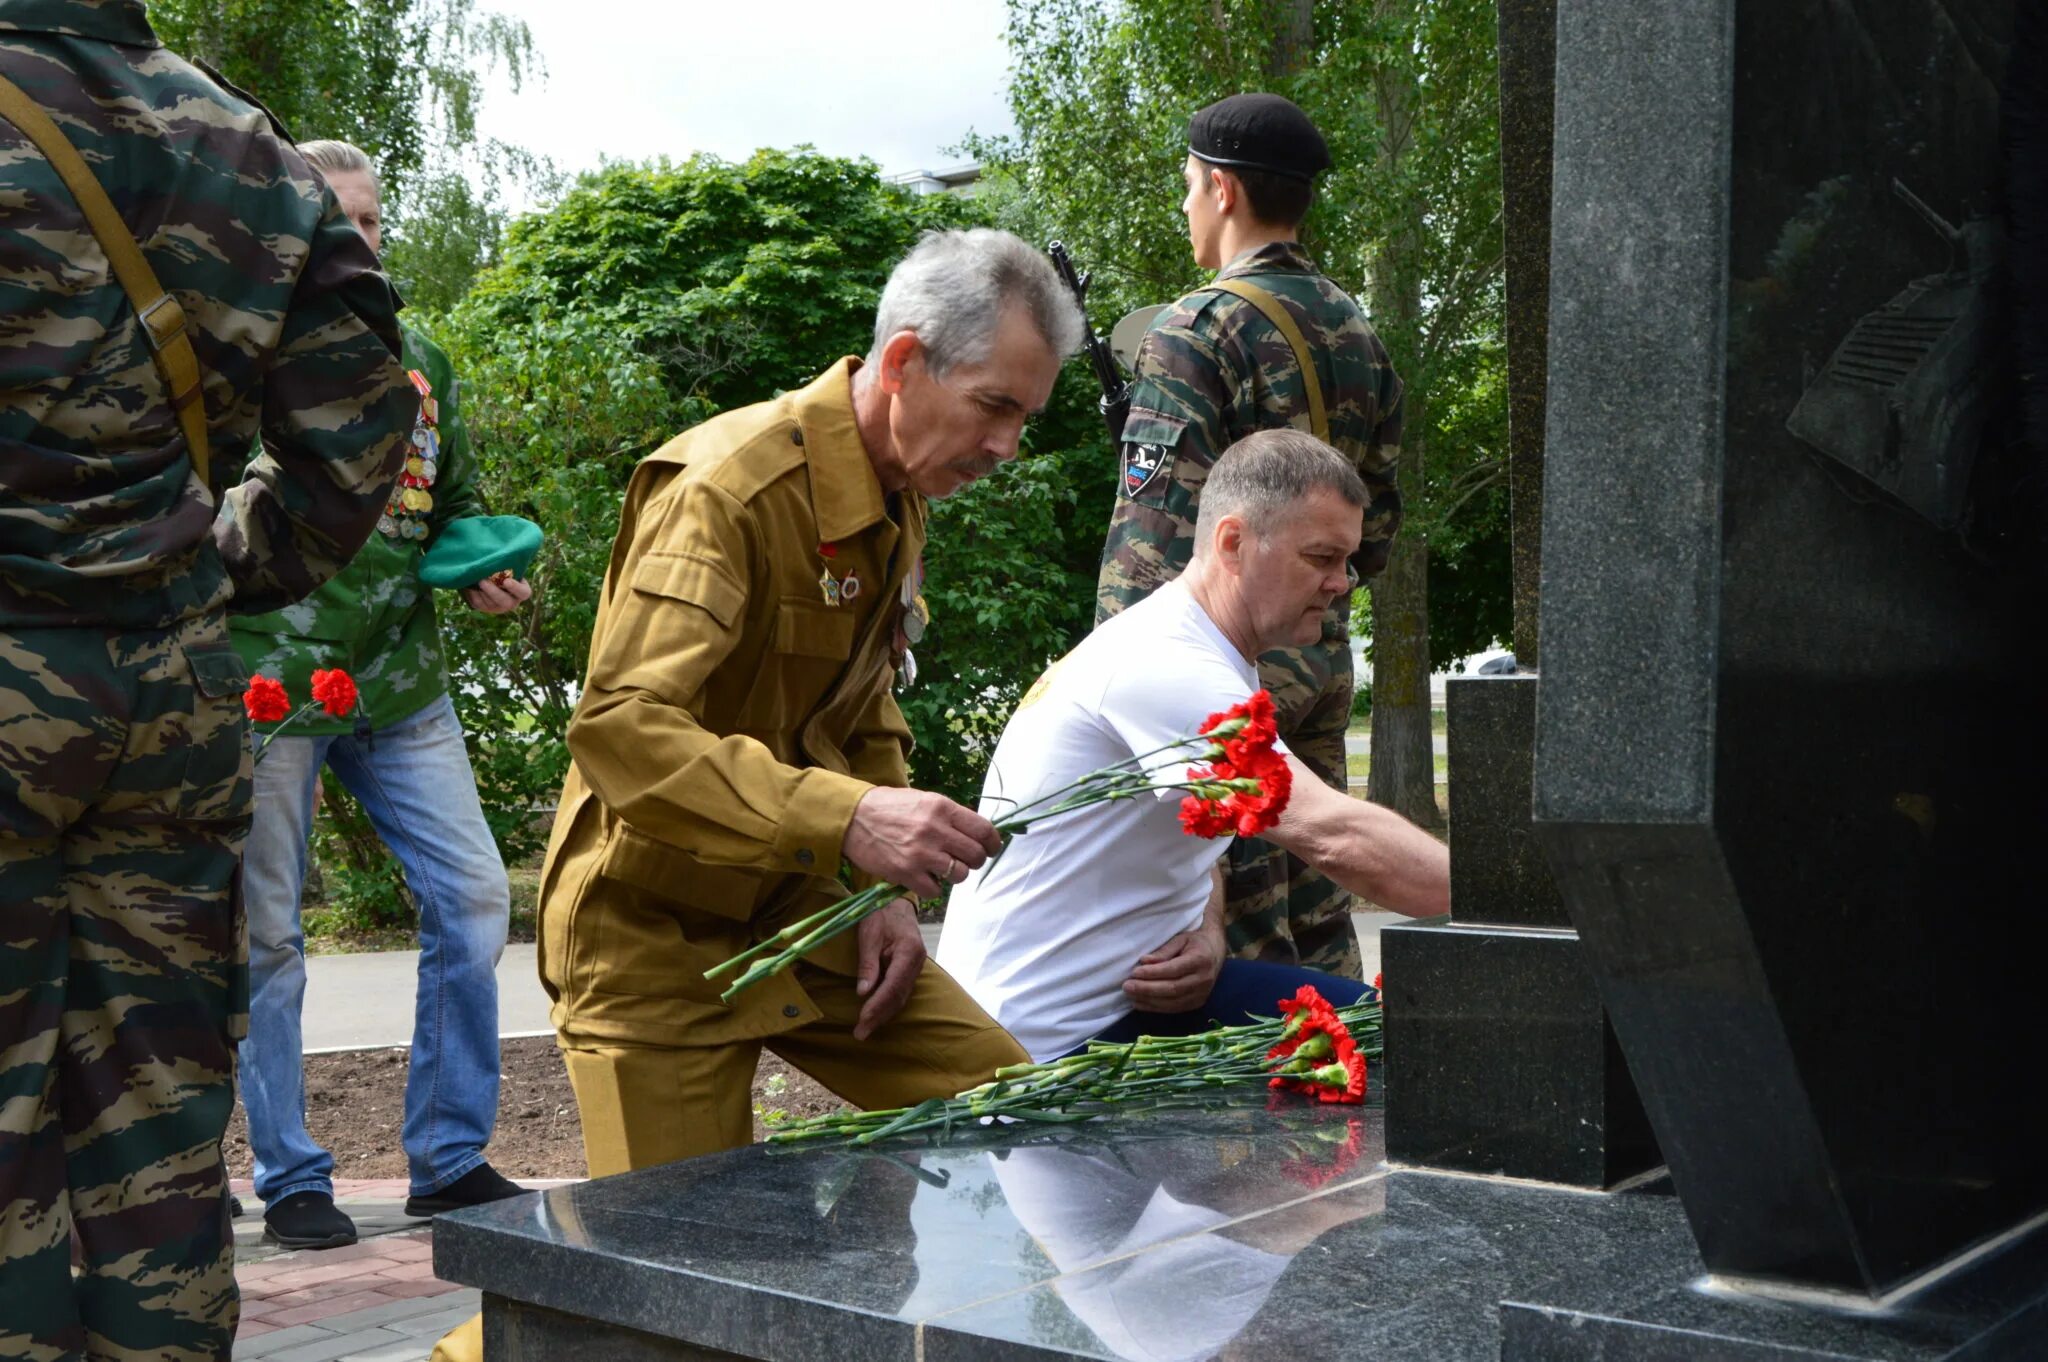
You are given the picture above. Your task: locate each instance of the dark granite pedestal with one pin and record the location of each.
(1512, 1068)
(1789, 734)
(1254, 1231)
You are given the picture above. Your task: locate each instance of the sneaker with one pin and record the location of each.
(479, 1185)
(234, 1208)
(307, 1220)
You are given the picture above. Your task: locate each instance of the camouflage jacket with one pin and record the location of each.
(375, 618)
(102, 522)
(1212, 370)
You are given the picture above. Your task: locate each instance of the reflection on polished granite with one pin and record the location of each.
(839, 1255)
(1246, 1229)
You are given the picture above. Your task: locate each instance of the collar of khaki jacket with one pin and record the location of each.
(111, 21)
(845, 493)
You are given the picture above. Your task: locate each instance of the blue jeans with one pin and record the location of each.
(414, 781)
(1245, 990)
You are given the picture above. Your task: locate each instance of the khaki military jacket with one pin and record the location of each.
(732, 718)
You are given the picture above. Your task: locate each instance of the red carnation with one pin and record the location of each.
(1343, 1081)
(1201, 817)
(335, 692)
(1230, 798)
(1255, 812)
(265, 700)
(1245, 731)
(1301, 1009)
(1323, 1061)
(1309, 1015)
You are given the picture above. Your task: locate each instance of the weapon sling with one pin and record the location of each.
(163, 320)
(1276, 313)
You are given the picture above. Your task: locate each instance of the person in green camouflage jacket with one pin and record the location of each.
(124, 775)
(401, 754)
(1213, 368)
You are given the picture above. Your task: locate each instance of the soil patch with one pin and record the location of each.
(355, 1106)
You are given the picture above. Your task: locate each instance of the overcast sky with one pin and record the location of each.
(637, 78)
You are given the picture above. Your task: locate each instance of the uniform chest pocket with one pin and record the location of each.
(810, 646)
(810, 629)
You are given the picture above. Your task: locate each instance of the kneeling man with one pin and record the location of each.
(1108, 922)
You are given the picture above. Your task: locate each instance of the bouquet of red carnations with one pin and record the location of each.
(1311, 1048)
(266, 702)
(1240, 787)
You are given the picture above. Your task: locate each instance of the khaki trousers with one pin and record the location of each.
(642, 1106)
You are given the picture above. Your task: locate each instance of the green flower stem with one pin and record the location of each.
(794, 931)
(274, 734)
(1099, 1079)
(799, 938)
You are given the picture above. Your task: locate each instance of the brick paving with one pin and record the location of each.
(377, 1300)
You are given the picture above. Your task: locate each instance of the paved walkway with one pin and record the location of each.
(364, 1001)
(374, 1301)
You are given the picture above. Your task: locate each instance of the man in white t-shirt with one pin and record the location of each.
(1107, 922)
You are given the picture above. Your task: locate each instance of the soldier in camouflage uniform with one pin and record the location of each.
(124, 761)
(1214, 367)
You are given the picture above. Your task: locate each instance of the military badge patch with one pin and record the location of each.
(1142, 464)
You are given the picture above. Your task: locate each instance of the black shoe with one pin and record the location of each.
(480, 1184)
(234, 1208)
(307, 1220)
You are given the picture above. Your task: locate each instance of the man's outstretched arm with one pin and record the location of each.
(1370, 850)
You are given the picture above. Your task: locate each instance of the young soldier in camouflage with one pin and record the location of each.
(124, 776)
(1213, 368)
(401, 754)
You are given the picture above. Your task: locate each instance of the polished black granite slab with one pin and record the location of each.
(1508, 1065)
(1528, 97)
(1253, 1231)
(839, 1256)
(1498, 872)
(1512, 1066)
(1789, 731)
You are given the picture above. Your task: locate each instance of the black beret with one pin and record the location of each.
(1259, 132)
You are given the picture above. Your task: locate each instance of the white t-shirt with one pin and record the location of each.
(1045, 936)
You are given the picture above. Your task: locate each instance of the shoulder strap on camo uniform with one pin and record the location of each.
(1277, 313)
(163, 320)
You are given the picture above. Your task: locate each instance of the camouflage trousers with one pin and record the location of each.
(124, 802)
(1276, 907)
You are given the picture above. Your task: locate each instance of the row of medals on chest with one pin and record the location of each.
(846, 589)
(405, 514)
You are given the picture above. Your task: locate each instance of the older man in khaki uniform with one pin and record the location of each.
(738, 736)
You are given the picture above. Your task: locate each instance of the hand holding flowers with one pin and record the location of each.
(1239, 786)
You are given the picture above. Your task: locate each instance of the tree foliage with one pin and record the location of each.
(403, 80)
(560, 414)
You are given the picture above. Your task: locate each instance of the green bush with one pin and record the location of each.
(560, 412)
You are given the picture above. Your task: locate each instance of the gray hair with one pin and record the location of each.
(1265, 473)
(952, 287)
(328, 156)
